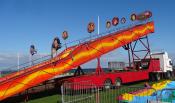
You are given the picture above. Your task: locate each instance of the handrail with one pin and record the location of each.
(83, 40)
(80, 41)
(29, 64)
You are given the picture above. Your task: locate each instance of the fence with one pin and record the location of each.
(89, 93)
(78, 93)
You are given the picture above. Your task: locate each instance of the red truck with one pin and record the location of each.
(154, 68)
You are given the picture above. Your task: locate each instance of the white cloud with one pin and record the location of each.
(10, 59)
(1, 59)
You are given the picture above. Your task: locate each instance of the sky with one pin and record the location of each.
(26, 22)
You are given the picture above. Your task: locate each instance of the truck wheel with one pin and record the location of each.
(172, 74)
(107, 84)
(118, 82)
(157, 76)
(151, 77)
(168, 75)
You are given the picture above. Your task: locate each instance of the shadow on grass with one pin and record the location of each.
(22, 98)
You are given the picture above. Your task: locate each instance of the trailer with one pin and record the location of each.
(151, 66)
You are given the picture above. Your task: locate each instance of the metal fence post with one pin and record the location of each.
(97, 95)
(62, 92)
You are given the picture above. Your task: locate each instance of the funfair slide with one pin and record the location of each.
(70, 58)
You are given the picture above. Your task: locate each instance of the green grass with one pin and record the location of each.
(112, 94)
(48, 99)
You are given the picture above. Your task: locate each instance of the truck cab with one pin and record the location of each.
(165, 61)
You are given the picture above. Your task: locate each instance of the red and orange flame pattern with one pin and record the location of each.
(18, 82)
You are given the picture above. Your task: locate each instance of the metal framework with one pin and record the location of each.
(135, 53)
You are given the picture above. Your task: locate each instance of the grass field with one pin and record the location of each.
(103, 94)
(48, 99)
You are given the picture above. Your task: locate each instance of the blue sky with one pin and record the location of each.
(26, 22)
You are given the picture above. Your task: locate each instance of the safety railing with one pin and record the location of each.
(15, 69)
(76, 93)
(69, 44)
(95, 35)
(89, 93)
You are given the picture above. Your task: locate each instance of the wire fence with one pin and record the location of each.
(89, 93)
(75, 93)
